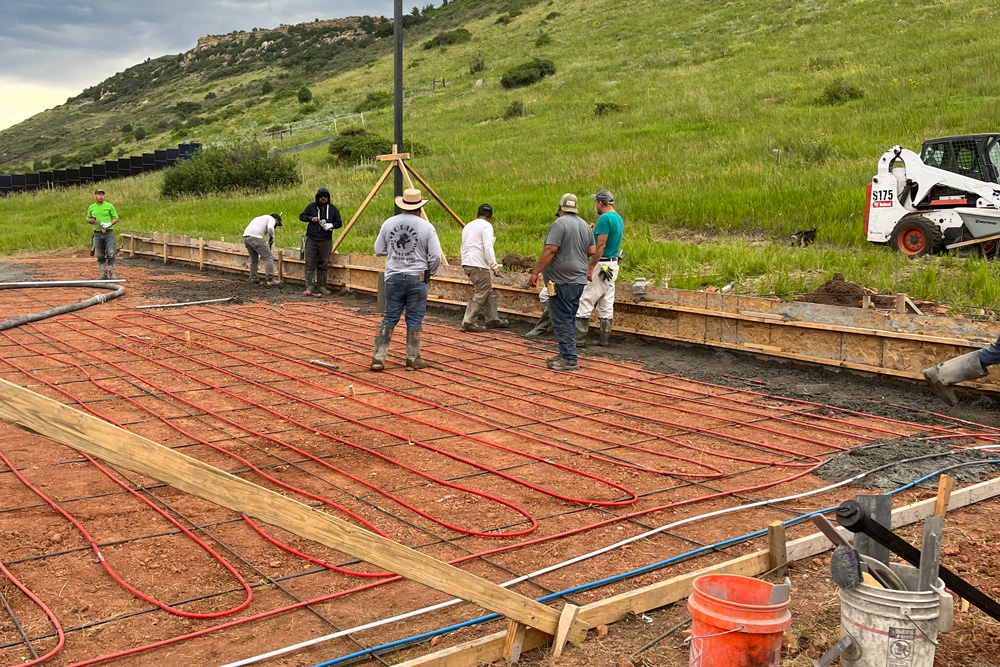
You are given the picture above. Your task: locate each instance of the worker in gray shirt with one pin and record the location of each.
(412, 255)
(569, 244)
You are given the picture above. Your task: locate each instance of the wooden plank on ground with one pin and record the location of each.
(490, 648)
(86, 433)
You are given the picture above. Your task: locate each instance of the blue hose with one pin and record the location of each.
(602, 582)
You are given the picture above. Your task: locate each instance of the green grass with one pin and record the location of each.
(721, 152)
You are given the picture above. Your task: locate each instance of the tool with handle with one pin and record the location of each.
(851, 516)
(930, 547)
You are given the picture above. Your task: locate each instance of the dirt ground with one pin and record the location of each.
(484, 450)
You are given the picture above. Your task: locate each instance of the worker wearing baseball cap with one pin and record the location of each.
(478, 260)
(568, 245)
(260, 228)
(602, 271)
(103, 217)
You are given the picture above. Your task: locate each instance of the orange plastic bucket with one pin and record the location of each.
(734, 624)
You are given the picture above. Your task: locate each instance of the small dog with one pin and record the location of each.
(804, 237)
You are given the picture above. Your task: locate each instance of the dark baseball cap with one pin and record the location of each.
(603, 196)
(277, 219)
(485, 209)
(98, 191)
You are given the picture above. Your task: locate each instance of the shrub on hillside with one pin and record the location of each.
(380, 99)
(515, 110)
(449, 37)
(840, 91)
(477, 65)
(527, 73)
(543, 39)
(139, 134)
(604, 108)
(185, 109)
(228, 168)
(266, 88)
(358, 145)
(305, 95)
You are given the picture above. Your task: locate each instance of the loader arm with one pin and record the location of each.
(926, 177)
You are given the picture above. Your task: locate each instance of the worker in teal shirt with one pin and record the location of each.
(103, 217)
(602, 272)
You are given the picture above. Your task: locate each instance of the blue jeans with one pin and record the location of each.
(562, 309)
(404, 291)
(990, 356)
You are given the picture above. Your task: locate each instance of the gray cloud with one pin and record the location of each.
(74, 45)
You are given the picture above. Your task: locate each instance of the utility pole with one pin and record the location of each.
(397, 111)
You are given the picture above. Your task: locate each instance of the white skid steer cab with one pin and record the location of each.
(946, 198)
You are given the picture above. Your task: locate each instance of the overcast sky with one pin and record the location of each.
(53, 49)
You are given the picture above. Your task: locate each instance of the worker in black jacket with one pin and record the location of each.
(322, 218)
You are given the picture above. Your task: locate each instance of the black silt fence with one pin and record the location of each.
(126, 166)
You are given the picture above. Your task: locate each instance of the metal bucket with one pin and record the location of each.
(893, 628)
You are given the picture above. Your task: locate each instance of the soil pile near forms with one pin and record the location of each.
(884, 452)
(514, 262)
(836, 292)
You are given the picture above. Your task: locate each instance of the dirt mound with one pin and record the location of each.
(514, 262)
(836, 292)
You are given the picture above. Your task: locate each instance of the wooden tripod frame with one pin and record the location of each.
(396, 160)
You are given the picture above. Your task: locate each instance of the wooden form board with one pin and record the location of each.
(490, 648)
(900, 345)
(86, 433)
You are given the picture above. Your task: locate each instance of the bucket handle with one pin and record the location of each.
(737, 629)
(906, 615)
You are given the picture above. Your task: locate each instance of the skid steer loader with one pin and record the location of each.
(946, 198)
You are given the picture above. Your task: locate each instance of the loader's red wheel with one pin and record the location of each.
(915, 236)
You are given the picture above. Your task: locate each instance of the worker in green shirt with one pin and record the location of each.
(103, 217)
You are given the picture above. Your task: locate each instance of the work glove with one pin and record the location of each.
(326, 225)
(105, 225)
(606, 272)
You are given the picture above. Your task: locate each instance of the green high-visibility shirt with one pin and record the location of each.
(103, 212)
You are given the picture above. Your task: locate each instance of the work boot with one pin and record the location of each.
(563, 365)
(413, 338)
(493, 320)
(321, 287)
(104, 270)
(582, 327)
(381, 348)
(941, 377)
(309, 289)
(111, 270)
(544, 325)
(605, 340)
(469, 321)
(553, 359)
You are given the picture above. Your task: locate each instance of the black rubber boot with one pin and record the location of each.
(582, 327)
(544, 325)
(493, 319)
(381, 348)
(605, 340)
(413, 339)
(469, 321)
(111, 270)
(321, 284)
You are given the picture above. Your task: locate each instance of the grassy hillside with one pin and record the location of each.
(721, 138)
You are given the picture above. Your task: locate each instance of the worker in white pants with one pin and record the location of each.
(599, 292)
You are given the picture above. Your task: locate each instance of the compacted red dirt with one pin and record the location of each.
(485, 459)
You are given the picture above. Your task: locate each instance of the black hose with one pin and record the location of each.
(60, 310)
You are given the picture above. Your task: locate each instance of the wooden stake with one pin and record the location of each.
(164, 252)
(566, 620)
(777, 558)
(900, 303)
(201, 253)
(281, 265)
(514, 642)
(943, 495)
(131, 246)
(86, 433)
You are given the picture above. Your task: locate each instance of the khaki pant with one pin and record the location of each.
(482, 284)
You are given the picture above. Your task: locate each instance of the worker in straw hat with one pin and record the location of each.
(412, 255)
